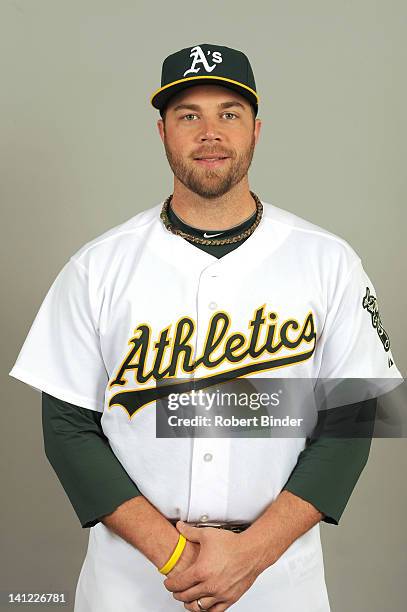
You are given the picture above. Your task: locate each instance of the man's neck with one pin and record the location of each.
(224, 212)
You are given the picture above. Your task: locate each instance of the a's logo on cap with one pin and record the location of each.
(199, 58)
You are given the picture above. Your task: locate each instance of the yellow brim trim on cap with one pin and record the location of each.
(204, 77)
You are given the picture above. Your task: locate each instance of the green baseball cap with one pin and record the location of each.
(205, 64)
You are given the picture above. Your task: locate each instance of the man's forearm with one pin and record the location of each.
(144, 527)
(284, 520)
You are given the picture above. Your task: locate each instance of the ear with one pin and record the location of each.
(161, 128)
(257, 128)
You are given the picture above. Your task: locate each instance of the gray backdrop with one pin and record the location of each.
(80, 153)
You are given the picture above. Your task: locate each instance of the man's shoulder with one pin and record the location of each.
(308, 236)
(118, 236)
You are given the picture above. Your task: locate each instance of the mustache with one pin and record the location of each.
(215, 152)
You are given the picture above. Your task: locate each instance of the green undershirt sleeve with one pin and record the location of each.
(329, 467)
(96, 483)
(93, 478)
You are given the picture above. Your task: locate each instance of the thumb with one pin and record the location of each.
(193, 534)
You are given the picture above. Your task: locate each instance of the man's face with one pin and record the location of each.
(209, 120)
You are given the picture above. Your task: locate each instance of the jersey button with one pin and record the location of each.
(212, 305)
(208, 457)
(204, 518)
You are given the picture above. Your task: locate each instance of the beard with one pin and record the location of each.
(210, 183)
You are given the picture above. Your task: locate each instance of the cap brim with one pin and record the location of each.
(160, 98)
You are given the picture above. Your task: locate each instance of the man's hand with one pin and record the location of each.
(188, 557)
(223, 571)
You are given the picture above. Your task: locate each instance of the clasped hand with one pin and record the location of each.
(223, 571)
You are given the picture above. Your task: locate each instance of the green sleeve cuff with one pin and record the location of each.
(327, 472)
(120, 490)
(328, 469)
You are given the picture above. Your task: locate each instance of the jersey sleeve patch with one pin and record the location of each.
(371, 305)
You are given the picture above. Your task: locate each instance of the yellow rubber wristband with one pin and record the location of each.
(175, 555)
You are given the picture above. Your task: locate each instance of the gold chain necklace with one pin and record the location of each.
(245, 234)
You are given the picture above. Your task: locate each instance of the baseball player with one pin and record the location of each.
(211, 281)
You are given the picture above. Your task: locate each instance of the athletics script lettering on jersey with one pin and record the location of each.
(233, 347)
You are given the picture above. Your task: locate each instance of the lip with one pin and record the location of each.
(212, 162)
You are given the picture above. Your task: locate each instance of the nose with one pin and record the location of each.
(209, 131)
(210, 135)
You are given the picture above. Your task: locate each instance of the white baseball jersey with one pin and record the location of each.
(136, 305)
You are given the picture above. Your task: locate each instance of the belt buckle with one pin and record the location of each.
(232, 526)
(207, 524)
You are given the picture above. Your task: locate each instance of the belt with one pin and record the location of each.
(237, 527)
